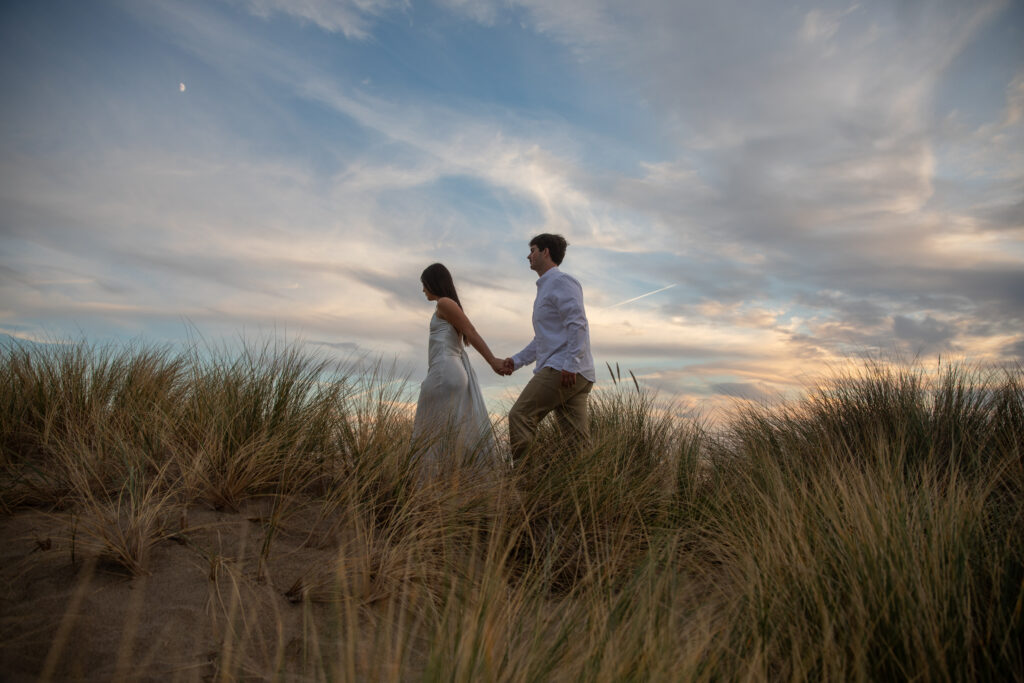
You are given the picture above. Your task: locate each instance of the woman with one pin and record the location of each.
(451, 419)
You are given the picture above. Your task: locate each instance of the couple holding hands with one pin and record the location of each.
(451, 411)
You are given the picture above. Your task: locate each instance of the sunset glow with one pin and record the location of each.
(752, 192)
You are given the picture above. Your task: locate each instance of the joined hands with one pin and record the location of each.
(503, 367)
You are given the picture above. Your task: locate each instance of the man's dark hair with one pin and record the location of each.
(555, 244)
(438, 282)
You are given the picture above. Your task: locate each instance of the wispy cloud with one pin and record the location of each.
(353, 18)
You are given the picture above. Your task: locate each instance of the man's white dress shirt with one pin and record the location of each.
(561, 333)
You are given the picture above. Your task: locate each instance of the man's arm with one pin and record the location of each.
(526, 356)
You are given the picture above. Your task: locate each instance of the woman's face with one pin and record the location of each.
(427, 293)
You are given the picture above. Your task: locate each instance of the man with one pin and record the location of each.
(564, 373)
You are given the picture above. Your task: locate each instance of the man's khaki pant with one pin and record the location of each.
(541, 395)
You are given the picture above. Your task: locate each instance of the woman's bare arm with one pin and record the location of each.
(448, 310)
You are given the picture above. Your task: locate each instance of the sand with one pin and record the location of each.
(204, 605)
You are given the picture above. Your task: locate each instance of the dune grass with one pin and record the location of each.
(870, 530)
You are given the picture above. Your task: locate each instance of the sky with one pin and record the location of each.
(754, 193)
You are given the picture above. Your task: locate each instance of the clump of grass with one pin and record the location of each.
(858, 572)
(873, 519)
(97, 398)
(121, 528)
(958, 418)
(260, 420)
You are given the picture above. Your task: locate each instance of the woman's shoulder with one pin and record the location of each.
(445, 307)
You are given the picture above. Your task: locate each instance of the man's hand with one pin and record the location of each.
(509, 365)
(568, 379)
(498, 365)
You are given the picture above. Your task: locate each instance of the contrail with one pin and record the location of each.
(637, 298)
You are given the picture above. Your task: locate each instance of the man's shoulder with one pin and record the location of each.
(563, 278)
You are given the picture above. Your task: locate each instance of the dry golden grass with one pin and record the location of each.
(261, 515)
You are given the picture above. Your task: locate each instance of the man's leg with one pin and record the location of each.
(541, 395)
(573, 415)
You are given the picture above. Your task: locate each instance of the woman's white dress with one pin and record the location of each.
(452, 425)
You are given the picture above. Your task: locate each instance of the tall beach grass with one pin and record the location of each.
(870, 530)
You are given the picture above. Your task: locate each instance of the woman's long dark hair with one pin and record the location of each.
(438, 282)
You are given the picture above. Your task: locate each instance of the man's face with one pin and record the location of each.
(537, 258)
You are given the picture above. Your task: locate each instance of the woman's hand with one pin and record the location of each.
(498, 365)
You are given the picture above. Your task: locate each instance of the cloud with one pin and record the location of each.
(751, 391)
(821, 25)
(484, 11)
(1016, 350)
(614, 347)
(342, 346)
(927, 333)
(352, 18)
(1014, 111)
